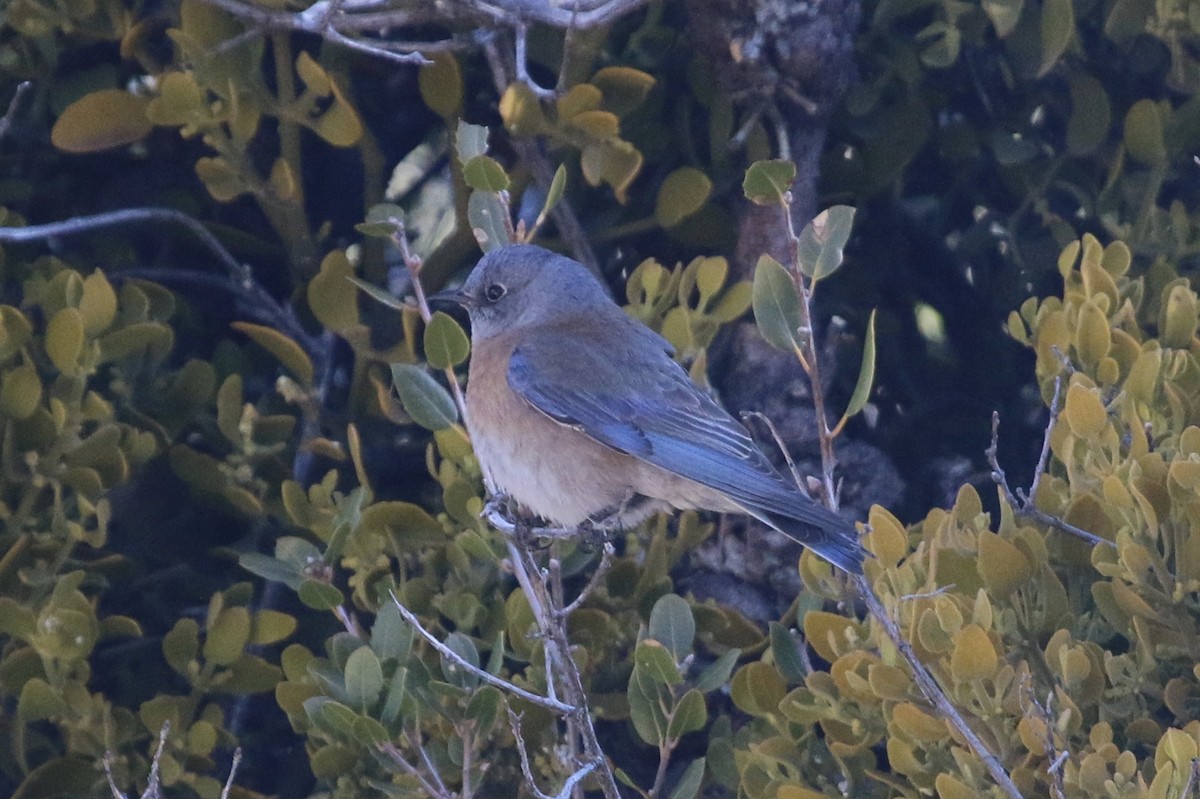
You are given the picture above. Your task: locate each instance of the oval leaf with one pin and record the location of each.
(285, 350)
(866, 373)
(429, 405)
(682, 194)
(776, 304)
(766, 182)
(446, 343)
(100, 121)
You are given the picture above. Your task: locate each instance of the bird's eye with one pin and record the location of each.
(494, 292)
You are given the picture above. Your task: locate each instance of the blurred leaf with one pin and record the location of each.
(270, 569)
(181, 645)
(429, 405)
(100, 121)
(488, 216)
(672, 625)
(823, 241)
(484, 708)
(758, 689)
(776, 304)
(98, 305)
(271, 626)
(64, 340)
(286, 351)
(1004, 15)
(691, 780)
(378, 294)
(974, 657)
(39, 701)
(646, 701)
(227, 636)
(441, 85)
(20, 392)
(331, 295)
(470, 141)
(383, 221)
(391, 636)
(1058, 29)
(866, 373)
(681, 194)
(614, 162)
(319, 596)
(409, 525)
(1144, 133)
(623, 88)
(521, 111)
(786, 653)
(483, 173)
(557, 186)
(716, 674)
(578, 99)
(1091, 115)
(767, 182)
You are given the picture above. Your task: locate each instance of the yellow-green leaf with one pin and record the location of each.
(20, 392)
(441, 85)
(100, 121)
(766, 182)
(681, 194)
(286, 351)
(1144, 133)
(974, 657)
(623, 88)
(331, 294)
(866, 372)
(1085, 413)
(98, 305)
(64, 340)
(485, 174)
(227, 636)
(1058, 28)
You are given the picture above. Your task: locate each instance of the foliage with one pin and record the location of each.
(281, 420)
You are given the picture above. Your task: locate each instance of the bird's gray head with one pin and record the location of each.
(524, 285)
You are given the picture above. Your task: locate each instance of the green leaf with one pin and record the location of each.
(767, 182)
(20, 392)
(429, 405)
(379, 295)
(1058, 28)
(369, 732)
(786, 652)
(409, 525)
(690, 714)
(689, 784)
(823, 241)
(446, 343)
(331, 296)
(776, 304)
(64, 340)
(391, 636)
(646, 697)
(270, 568)
(98, 306)
(681, 194)
(484, 173)
(1144, 133)
(227, 636)
(484, 708)
(716, 674)
(557, 186)
(487, 216)
(672, 625)
(383, 221)
(319, 596)
(866, 373)
(271, 626)
(39, 701)
(286, 351)
(455, 674)
(470, 141)
(441, 85)
(181, 645)
(364, 678)
(654, 661)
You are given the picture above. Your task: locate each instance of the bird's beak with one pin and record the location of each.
(453, 296)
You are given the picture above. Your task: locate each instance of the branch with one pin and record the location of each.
(1021, 502)
(601, 570)
(514, 721)
(397, 757)
(487, 677)
(933, 692)
(14, 105)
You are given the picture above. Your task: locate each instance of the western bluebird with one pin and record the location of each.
(578, 412)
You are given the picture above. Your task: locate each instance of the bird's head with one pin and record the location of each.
(524, 285)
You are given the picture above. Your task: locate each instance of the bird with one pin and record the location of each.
(580, 413)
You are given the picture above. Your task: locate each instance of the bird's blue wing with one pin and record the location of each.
(634, 398)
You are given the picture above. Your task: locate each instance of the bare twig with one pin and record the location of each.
(1022, 503)
(1054, 769)
(1192, 787)
(597, 576)
(436, 791)
(779, 442)
(514, 721)
(14, 105)
(490, 679)
(933, 692)
(237, 761)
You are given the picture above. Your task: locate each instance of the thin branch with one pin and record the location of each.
(1022, 503)
(601, 570)
(522, 64)
(397, 757)
(779, 442)
(6, 122)
(487, 677)
(237, 761)
(514, 721)
(933, 692)
(430, 766)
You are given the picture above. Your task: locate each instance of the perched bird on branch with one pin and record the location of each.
(579, 413)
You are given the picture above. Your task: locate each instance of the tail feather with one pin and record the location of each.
(839, 545)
